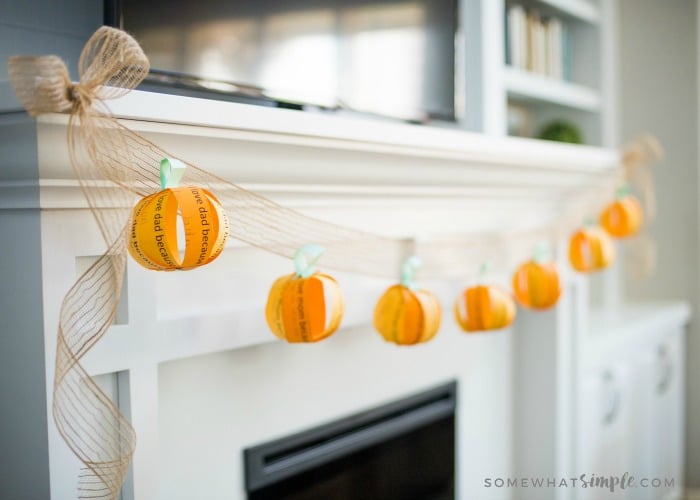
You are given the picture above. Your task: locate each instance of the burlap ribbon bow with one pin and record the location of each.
(638, 158)
(111, 64)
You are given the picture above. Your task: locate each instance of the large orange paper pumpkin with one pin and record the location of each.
(536, 285)
(304, 309)
(484, 308)
(406, 316)
(623, 217)
(591, 249)
(153, 236)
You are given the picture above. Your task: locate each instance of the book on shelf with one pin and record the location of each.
(536, 43)
(555, 48)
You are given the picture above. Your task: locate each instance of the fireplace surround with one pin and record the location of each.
(198, 374)
(398, 451)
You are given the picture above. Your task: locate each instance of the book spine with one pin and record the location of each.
(555, 46)
(508, 41)
(515, 36)
(540, 46)
(531, 40)
(522, 39)
(566, 53)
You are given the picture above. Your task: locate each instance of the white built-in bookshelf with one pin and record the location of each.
(529, 63)
(584, 10)
(524, 85)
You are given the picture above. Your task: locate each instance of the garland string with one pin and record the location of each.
(114, 165)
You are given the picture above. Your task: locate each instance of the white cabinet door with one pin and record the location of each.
(658, 423)
(606, 428)
(644, 378)
(667, 417)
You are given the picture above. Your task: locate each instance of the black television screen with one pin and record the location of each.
(388, 57)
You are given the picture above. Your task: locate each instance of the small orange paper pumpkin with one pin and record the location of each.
(406, 316)
(623, 217)
(304, 309)
(484, 307)
(591, 249)
(153, 236)
(536, 285)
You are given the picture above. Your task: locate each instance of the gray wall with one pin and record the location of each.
(659, 94)
(27, 27)
(24, 461)
(36, 27)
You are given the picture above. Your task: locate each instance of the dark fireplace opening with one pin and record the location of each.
(404, 450)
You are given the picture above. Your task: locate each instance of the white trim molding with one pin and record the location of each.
(312, 159)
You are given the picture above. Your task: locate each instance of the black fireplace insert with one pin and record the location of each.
(404, 450)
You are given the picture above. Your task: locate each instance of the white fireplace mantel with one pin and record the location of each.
(396, 179)
(389, 178)
(354, 159)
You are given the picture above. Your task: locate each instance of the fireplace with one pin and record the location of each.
(200, 376)
(399, 451)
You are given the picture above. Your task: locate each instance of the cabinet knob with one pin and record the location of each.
(613, 397)
(666, 370)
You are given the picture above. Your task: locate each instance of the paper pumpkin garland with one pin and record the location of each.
(406, 315)
(306, 306)
(153, 239)
(536, 283)
(591, 249)
(623, 217)
(112, 63)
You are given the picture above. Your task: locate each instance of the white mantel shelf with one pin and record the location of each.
(421, 162)
(288, 126)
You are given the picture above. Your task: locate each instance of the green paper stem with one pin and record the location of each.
(305, 259)
(623, 191)
(171, 172)
(542, 252)
(408, 271)
(484, 269)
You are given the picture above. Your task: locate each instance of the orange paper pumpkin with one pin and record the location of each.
(153, 236)
(537, 285)
(303, 309)
(404, 316)
(484, 308)
(591, 249)
(623, 217)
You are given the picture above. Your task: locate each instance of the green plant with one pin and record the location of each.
(561, 131)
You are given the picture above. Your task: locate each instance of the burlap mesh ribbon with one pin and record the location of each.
(115, 165)
(90, 423)
(638, 157)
